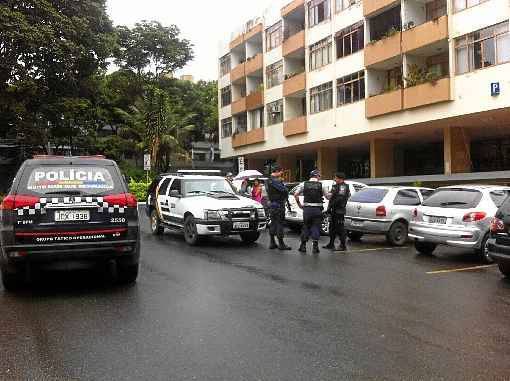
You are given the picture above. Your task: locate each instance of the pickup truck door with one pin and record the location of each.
(162, 202)
(174, 198)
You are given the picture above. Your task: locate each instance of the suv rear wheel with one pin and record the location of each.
(426, 248)
(190, 231)
(354, 236)
(397, 236)
(156, 227)
(127, 274)
(12, 281)
(325, 224)
(504, 268)
(483, 252)
(249, 238)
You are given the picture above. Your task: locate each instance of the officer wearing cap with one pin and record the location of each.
(340, 194)
(278, 196)
(314, 193)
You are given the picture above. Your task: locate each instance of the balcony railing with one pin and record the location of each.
(383, 103)
(372, 6)
(295, 126)
(294, 43)
(238, 72)
(294, 84)
(255, 100)
(384, 49)
(427, 93)
(425, 34)
(253, 31)
(292, 6)
(239, 106)
(247, 138)
(254, 64)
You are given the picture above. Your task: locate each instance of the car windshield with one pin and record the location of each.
(201, 186)
(369, 195)
(455, 198)
(56, 180)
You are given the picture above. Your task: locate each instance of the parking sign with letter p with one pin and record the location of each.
(495, 89)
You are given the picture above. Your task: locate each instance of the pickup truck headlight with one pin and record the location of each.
(261, 213)
(212, 215)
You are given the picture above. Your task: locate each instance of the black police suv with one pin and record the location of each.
(68, 213)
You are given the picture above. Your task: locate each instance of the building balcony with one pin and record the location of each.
(383, 50)
(238, 72)
(253, 31)
(427, 94)
(425, 34)
(292, 6)
(239, 106)
(255, 100)
(295, 126)
(294, 43)
(254, 64)
(236, 41)
(247, 138)
(383, 103)
(376, 6)
(294, 84)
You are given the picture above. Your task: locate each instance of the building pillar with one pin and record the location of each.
(289, 164)
(327, 159)
(382, 158)
(457, 150)
(257, 164)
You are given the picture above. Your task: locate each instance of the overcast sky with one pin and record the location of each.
(203, 22)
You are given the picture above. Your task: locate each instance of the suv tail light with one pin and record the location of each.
(497, 225)
(474, 216)
(12, 202)
(380, 211)
(122, 199)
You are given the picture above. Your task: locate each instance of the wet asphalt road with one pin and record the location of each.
(227, 312)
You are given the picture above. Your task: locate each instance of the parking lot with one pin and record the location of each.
(224, 311)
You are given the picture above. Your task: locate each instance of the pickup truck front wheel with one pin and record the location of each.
(249, 238)
(190, 231)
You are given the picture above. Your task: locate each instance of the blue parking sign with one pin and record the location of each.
(495, 89)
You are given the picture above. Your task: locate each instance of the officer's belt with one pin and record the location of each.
(312, 204)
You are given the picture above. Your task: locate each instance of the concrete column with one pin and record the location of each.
(327, 161)
(382, 158)
(457, 150)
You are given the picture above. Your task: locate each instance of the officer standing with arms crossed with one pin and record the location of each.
(278, 197)
(313, 192)
(340, 194)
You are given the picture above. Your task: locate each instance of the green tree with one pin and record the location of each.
(151, 46)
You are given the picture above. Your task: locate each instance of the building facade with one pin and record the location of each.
(374, 88)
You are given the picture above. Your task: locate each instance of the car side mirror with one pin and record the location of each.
(175, 193)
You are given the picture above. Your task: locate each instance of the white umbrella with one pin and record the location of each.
(248, 174)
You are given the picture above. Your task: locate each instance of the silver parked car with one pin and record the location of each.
(457, 216)
(383, 210)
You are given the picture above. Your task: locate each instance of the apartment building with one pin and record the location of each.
(379, 89)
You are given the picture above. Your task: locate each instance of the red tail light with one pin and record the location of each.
(497, 225)
(12, 202)
(474, 216)
(122, 199)
(380, 211)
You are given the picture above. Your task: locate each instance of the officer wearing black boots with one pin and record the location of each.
(278, 196)
(340, 194)
(313, 192)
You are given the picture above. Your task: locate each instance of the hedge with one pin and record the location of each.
(139, 189)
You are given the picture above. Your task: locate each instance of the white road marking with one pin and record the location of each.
(376, 249)
(461, 269)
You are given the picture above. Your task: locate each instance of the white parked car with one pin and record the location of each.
(294, 217)
(203, 206)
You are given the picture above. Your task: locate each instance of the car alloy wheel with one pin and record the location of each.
(325, 224)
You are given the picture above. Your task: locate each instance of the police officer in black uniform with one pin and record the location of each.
(313, 192)
(340, 194)
(278, 196)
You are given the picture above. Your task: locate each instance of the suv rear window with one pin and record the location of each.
(455, 198)
(369, 195)
(62, 179)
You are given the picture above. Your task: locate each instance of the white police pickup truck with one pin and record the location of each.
(202, 206)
